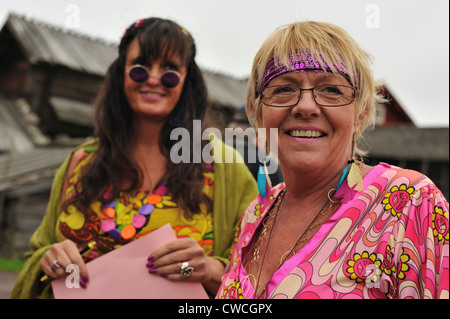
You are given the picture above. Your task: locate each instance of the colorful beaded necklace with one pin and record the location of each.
(124, 217)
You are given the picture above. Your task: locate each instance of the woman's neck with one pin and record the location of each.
(315, 192)
(147, 133)
(309, 187)
(147, 154)
(312, 180)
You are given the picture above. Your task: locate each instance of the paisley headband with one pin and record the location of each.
(301, 62)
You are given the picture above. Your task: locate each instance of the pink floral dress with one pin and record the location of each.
(388, 241)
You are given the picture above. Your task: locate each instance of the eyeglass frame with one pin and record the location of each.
(134, 66)
(355, 95)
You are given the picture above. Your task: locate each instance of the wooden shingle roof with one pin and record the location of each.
(42, 42)
(16, 134)
(20, 169)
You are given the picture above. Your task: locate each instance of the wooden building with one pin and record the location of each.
(398, 141)
(422, 149)
(391, 113)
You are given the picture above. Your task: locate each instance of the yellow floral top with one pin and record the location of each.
(101, 229)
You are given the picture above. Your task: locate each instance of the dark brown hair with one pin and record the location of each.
(158, 39)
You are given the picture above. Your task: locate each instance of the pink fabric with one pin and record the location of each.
(388, 241)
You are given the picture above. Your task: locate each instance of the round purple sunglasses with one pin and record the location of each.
(139, 74)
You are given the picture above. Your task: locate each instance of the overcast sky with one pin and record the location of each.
(409, 39)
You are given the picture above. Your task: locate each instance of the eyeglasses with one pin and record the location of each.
(324, 95)
(139, 74)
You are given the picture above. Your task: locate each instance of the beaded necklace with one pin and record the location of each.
(125, 216)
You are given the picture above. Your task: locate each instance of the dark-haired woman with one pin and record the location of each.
(123, 185)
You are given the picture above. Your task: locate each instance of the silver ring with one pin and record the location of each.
(186, 270)
(56, 265)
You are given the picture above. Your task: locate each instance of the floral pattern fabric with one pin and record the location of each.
(92, 225)
(388, 241)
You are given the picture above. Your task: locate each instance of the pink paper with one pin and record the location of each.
(122, 274)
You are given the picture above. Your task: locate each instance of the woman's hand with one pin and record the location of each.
(61, 255)
(168, 259)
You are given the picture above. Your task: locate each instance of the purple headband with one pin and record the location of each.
(301, 62)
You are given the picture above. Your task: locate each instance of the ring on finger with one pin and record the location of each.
(186, 270)
(55, 266)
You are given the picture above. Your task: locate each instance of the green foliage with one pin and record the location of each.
(11, 264)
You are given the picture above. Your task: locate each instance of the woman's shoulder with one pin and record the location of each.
(393, 172)
(403, 179)
(77, 158)
(67, 173)
(80, 152)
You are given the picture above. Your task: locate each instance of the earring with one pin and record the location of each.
(344, 175)
(354, 178)
(262, 178)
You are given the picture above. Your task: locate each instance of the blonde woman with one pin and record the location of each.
(336, 228)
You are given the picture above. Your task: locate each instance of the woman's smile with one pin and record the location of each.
(305, 133)
(151, 95)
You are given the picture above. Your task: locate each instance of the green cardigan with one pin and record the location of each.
(234, 189)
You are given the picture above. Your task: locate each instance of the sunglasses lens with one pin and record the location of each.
(138, 74)
(170, 79)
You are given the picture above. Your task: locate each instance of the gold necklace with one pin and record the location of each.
(313, 225)
(258, 244)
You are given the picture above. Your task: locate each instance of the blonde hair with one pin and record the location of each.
(321, 40)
